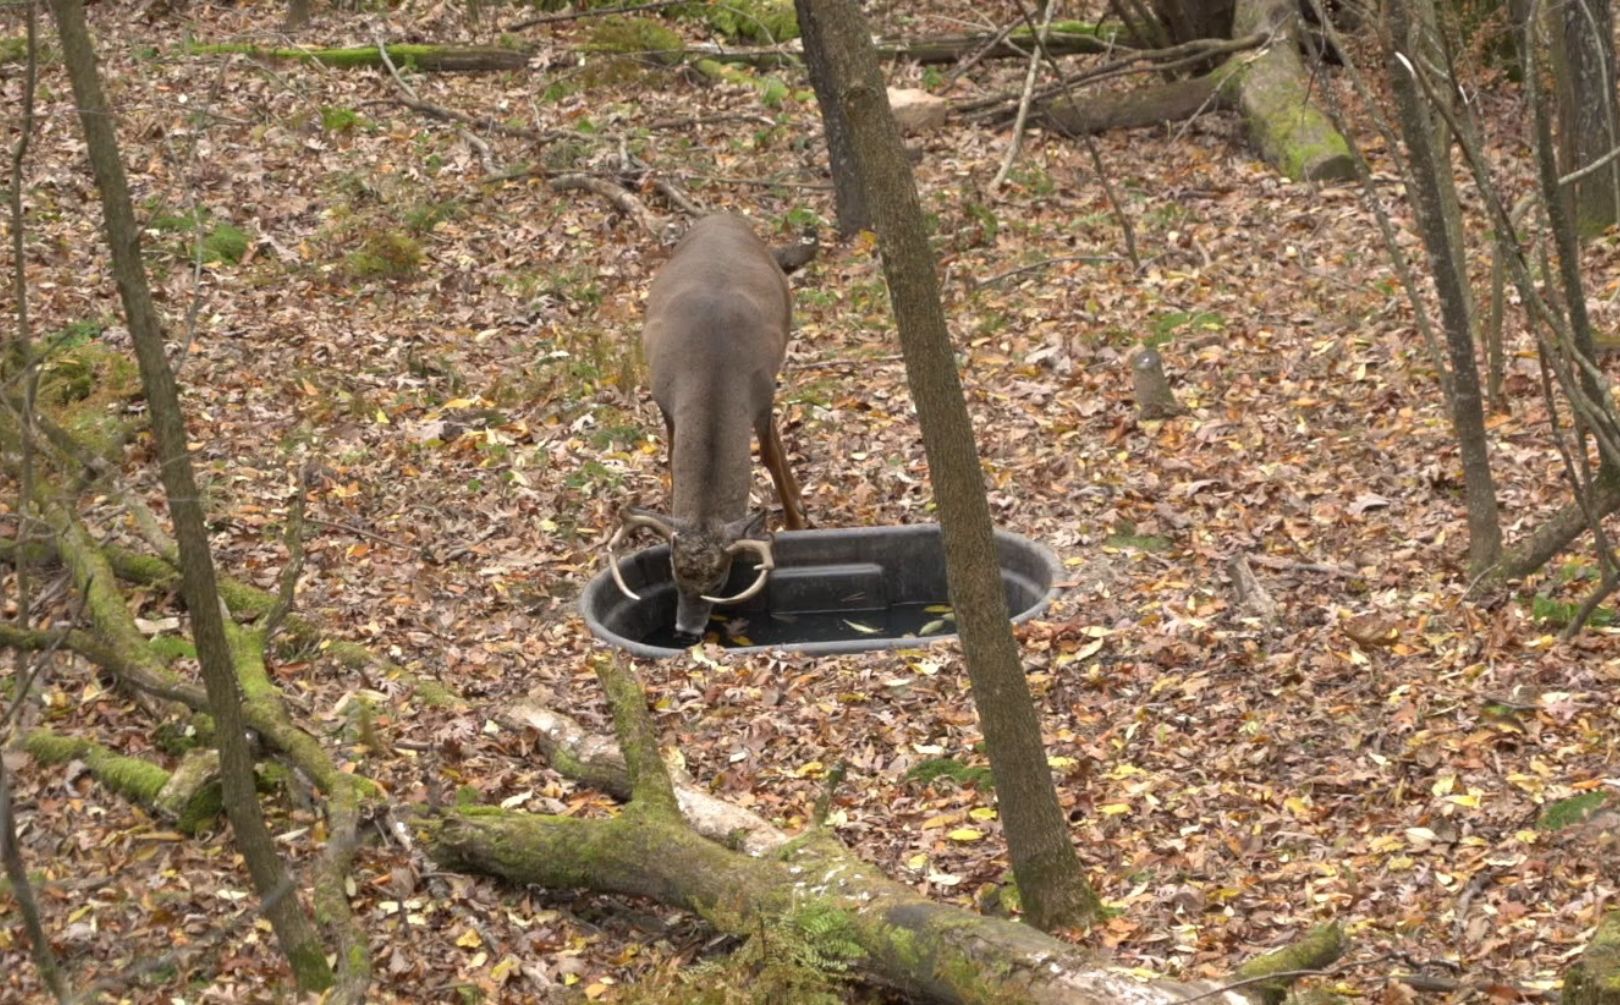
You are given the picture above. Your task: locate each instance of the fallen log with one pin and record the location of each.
(428, 58)
(1268, 88)
(891, 934)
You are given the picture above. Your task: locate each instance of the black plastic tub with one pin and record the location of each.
(833, 591)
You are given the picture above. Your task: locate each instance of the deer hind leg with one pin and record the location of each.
(775, 458)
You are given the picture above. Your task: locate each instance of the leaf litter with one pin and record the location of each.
(1379, 755)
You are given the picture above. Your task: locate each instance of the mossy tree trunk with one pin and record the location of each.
(1050, 879)
(296, 934)
(1594, 979)
(1273, 96)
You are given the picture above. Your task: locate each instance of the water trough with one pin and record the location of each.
(833, 591)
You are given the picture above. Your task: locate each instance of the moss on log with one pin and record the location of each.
(927, 950)
(428, 58)
(1320, 948)
(1594, 979)
(1273, 95)
(189, 798)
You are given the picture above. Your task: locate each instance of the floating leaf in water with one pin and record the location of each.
(863, 629)
(939, 609)
(742, 640)
(933, 627)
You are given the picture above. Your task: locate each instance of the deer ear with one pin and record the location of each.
(751, 526)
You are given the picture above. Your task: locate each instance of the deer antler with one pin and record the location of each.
(766, 563)
(629, 519)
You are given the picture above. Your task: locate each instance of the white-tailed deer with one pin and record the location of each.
(716, 333)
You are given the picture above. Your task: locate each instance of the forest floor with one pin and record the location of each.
(448, 344)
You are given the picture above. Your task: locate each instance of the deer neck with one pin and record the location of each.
(713, 440)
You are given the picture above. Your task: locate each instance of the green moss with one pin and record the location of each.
(274, 777)
(128, 776)
(1569, 812)
(85, 388)
(226, 242)
(13, 50)
(337, 119)
(78, 333)
(933, 769)
(385, 254)
(169, 648)
(764, 22)
(636, 36)
(436, 695)
(176, 738)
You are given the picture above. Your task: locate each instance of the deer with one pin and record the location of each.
(715, 336)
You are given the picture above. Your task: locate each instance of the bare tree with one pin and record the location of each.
(299, 940)
(1048, 872)
(1430, 201)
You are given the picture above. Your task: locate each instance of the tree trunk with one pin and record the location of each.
(850, 199)
(1049, 877)
(297, 936)
(1589, 125)
(1467, 406)
(1185, 20)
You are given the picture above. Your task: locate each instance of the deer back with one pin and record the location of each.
(716, 332)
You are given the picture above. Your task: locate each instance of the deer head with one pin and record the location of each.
(700, 560)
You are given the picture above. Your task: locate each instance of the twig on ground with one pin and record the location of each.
(622, 198)
(462, 118)
(1295, 565)
(473, 140)
(294, 538)
(360, 531)
(1016, 142)
(705, 120)
(1043, 264)
(575, 15)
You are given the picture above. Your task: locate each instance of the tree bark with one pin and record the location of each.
(1048, 872)
(1467, 405)
(848, 195)
(299, 941)
(1589, 124)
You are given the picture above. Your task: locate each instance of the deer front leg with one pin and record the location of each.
(775, 458)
